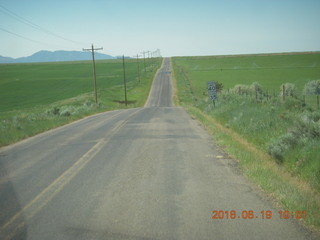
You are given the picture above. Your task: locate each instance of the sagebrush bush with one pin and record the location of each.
(313, 116)
(276, 151)
(255, 87)
(65, 113)
(306, 128)
(69, 110)
(241, 89)
(54, 111)
(289, 90)
(312, 88)
(88, 103)
(292, 103)
(278, 147)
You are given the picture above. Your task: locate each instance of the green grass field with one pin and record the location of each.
(276, 142)
(28, 85)
(270, 71)
(35, 97)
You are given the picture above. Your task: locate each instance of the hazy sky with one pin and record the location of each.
(176, 27)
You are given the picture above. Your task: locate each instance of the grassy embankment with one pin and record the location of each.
(36, 97)
(277, 143)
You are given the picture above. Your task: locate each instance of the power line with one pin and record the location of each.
(29, 39)
(33, 25)
(18, 35)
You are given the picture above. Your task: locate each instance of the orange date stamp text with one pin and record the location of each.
(264, 214)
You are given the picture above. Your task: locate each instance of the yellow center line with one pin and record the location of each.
(66, 141)
(10, 228)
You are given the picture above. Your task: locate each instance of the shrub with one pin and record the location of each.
(278, 147)
(313, 116)
(308, 126)
(289, 89)
(294, 104)
(88, 103)
(219, 87)
(256, 87)
(276, 151)
(65, 113)
(54, 111)
(312, 88)
(306, 129)
(241, 89)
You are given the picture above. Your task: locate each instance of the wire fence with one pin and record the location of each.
(286, 92)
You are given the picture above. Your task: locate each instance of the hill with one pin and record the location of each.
(56, 56)
(6, 59)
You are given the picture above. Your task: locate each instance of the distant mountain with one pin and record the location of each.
(6, 60)
(56, 56)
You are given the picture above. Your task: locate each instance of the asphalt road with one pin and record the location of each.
(145, 173)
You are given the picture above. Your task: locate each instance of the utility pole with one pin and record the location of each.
(124, 81)
(144, 60)
(159, 55)
(92, 49)
(154, 54)
(138, 67)
(148, 57)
